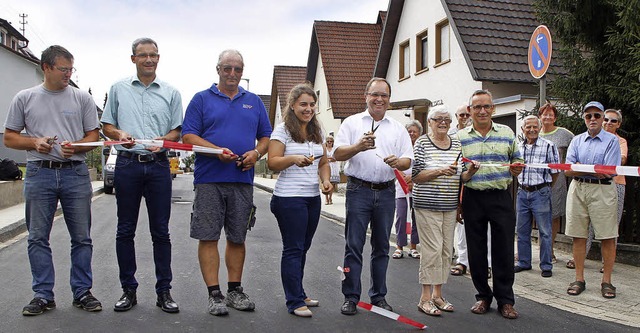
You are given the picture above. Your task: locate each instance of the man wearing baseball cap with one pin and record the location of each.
(592, 197)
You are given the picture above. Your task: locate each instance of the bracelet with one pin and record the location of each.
(257, 152)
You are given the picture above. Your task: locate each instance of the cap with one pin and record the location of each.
(593, 104)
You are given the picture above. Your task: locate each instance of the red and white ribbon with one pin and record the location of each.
(155, 143)
(391, 315)
(590, 168)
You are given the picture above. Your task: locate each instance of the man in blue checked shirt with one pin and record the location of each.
(534, 196)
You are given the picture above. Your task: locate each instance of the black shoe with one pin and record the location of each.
(546, 274)
(166, 302)
(519, 269)
(383, 304)
(87, 302)
(38, 306)
(348, 308)
(126, 301)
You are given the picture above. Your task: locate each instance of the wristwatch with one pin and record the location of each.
(259, 155)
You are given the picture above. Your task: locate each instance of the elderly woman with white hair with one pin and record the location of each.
(436, 181)
(403, 205)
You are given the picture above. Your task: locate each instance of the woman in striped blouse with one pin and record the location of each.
(296, 151)
(435, 198)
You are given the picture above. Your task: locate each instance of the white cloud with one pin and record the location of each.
(190, 35)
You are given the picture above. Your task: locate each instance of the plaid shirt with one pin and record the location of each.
(542, 151)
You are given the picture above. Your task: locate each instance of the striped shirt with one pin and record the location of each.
(542, 151)
(295, 181)
(498, 146)
(441, 193)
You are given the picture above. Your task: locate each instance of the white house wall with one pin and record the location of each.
(451, 82)
(323, 111)
(17, 74)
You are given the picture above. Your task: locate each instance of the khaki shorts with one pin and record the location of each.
(592, 203)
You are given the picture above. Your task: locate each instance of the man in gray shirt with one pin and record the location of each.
(53, 115)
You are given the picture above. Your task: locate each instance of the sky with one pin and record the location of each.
(190, 35)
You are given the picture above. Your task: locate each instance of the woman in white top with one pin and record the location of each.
(296, 151)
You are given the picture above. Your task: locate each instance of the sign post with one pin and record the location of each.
(540, 57)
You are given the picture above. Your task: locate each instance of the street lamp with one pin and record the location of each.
(247, 82)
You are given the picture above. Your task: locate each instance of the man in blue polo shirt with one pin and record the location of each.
(228, 117)
(143, 107)
(593, 198)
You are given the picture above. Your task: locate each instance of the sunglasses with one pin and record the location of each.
(610, 120)
(588, 116)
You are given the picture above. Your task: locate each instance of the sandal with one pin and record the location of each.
(442, 304)
(429, 308)
(458, 270)
(608, 290)
(397, 254)
(571, 264)
(414, 254)
(577, 287)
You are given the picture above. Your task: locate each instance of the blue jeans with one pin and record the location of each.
(298, 220)
(536, 204)
(132, 181)
(364, 206)
(43, 188)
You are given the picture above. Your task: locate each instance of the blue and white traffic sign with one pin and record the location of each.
(540, 51)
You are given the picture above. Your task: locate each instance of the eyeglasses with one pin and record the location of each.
(153, 56)
(66, 70)
(441, 119)
(228, 69)
(464, 115)
(480, 107)
(588, 116)
(378, 94)
(610, 120)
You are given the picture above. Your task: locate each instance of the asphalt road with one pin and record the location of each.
(261, 281)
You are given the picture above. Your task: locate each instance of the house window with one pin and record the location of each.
(422, 51)
(2, 37)
(405, 67)
(442, 41)
(14, 44)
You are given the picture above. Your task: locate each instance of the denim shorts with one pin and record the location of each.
(218, 205)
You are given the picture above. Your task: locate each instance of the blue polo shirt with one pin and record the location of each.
(231, 123)
(143, 112)
(601, 149)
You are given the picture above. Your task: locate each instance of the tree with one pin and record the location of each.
(599, 53)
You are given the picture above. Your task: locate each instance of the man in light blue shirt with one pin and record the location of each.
(143, 107)
(593, 197)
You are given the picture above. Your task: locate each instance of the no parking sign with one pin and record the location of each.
(540, 51)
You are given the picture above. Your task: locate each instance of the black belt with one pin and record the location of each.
(533, 188)
(373, 186)
(58, 165)
(143, 158)
(594, 181)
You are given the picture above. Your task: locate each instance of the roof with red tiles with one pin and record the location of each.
(495, 36)
(348, 51)
(284, 78)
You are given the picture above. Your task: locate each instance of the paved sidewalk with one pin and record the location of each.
(12, 218)
(624, 309)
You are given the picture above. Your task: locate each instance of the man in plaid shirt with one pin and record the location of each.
(534, 196)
